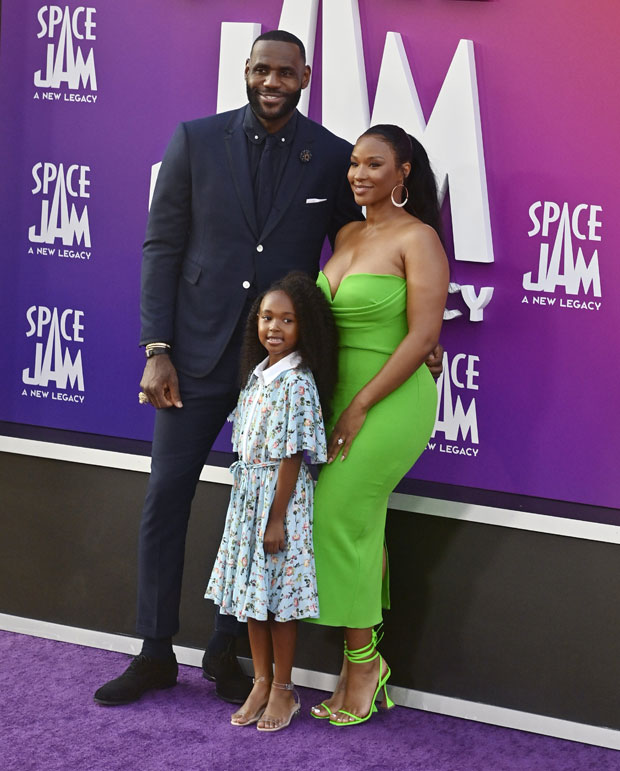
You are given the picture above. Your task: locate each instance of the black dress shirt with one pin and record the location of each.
(256, 135)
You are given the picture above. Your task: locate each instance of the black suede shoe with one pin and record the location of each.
(230, 682)
(208, 667)
(142, 675)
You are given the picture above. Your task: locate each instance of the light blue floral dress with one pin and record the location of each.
(278, 414)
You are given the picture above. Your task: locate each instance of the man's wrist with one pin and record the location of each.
(156, 349)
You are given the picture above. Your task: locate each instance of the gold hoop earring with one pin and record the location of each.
(403, 203)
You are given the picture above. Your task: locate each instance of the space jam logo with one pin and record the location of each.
(568, 270)
(70, 56)
(57, 367)
(456, 416)
(64, 214)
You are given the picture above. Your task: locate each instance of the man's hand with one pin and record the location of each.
(160, 382)
(434, 361)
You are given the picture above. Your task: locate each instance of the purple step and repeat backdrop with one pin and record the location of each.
(517, 105)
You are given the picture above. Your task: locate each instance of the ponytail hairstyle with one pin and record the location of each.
(318, 337)
(421, 186)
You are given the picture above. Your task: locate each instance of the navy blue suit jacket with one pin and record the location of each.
(203, 251)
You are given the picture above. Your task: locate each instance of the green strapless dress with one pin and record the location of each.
(350, 502)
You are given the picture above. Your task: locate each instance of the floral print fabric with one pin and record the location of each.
(271, 421)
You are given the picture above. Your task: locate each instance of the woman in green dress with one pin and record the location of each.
(387, 283)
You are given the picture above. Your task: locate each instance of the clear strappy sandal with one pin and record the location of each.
(256, 716)
(295, 709)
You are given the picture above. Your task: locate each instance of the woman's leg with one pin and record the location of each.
(262, 658)
(335, 701)
(281, 701)
(362, 676)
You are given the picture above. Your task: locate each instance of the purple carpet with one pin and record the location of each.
(49, 721)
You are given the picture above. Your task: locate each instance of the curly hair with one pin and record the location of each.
(317, 337)
(423, 201)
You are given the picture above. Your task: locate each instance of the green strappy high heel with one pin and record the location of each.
(321, 717)
(314, 710)
(363, 656)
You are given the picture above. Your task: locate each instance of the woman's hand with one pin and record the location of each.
(346, 429)
(434, 361)
(274, 536)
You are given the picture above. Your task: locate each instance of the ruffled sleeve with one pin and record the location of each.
(236, 416)
(296, 419)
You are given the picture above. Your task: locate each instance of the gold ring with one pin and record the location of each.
(143, 398)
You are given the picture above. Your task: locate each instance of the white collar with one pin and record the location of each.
(268, 374)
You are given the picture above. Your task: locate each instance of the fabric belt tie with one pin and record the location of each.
(242, 479)
(241, 464)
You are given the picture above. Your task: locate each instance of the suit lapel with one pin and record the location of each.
(236, 146)
(294, 172)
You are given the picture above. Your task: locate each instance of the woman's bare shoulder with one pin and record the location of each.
(422, 249)
(416, 231)
(420, 239)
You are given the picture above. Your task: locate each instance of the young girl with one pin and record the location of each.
(264, 571)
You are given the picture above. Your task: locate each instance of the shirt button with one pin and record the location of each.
(246, 285)
(259, 248)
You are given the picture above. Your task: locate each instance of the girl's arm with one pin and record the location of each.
(427, 275)
(288, 472)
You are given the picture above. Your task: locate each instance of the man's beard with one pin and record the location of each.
(288, 105)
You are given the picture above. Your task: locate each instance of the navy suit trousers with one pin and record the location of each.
(181, 442)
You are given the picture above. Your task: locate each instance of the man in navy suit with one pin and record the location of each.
(241, 199)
